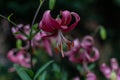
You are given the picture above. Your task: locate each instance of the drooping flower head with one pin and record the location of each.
(59, 25)
(20, 57)
(83, 51)
(111, 72)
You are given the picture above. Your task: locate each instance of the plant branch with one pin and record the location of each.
(8, 20)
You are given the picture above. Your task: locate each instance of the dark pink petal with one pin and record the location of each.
(71, 27)
(48, 24)
(105, 70)
(91, 76)
(66, 17)
(114, 64)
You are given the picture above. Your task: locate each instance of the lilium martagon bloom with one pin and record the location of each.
(83, 51)
(56, 27)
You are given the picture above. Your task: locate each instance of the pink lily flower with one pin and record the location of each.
(58, 26)
(83, 51)
(20, 57)
(113, 69)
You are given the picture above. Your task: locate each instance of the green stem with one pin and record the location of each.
(8, 20)
(31, 36)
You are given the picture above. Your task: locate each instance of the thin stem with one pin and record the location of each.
(8, 20)
(85, 66)
(37, 11)
(31, 36)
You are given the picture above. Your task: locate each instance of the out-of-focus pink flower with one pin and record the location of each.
(20, 30)
(91, 76)
(59, 25)
(83, 51)
(20, 57)
(108, 71)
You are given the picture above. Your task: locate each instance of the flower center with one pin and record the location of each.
(61, 40)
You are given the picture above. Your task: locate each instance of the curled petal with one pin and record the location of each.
(71, 27)
(66, 17)
(114, 64)
(48, 24)
(91, 76)
(105, 70)
(11, 56)
(96, 55)
(21, 57)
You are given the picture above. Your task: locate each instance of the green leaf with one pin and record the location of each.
(23, 75)
(92, 66)
(42, 77)
(56, 68)
(35, 26)
(29, 71)
(51, 4)
(18, 43)
(103, 33)
(42, 69)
